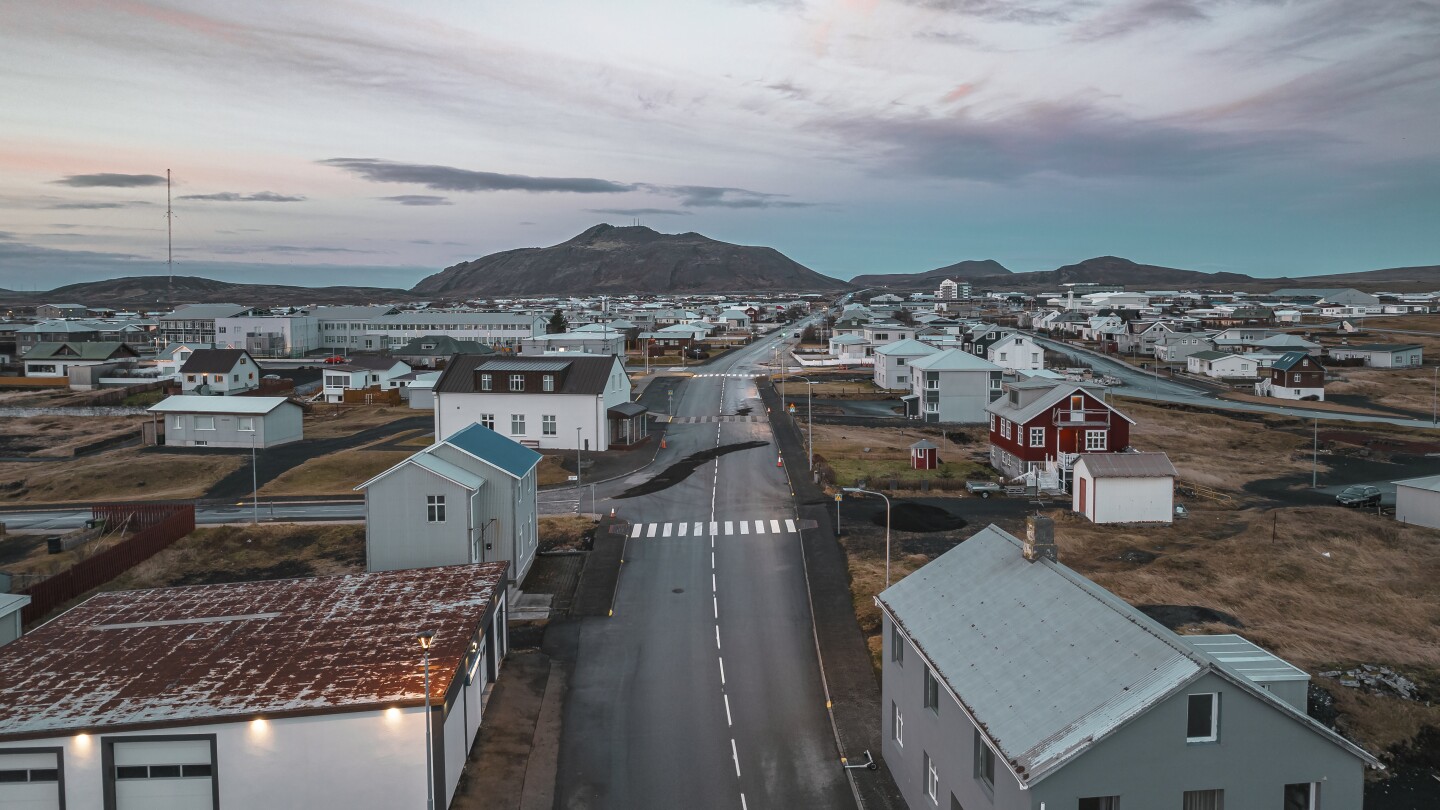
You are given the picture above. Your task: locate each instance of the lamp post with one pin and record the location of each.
(1434, 389)
(254, 484)
(809, 420)
(425, 638)
(578, 485)
(858, 490)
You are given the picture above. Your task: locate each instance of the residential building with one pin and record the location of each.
(1285, 343)
(342, 327)
(550, 401)
(1417, 501)
(1124, 487)
(432, 351)
(170, 359)
(591, 341)
(56, 359)
(498, 330)
(11, 619)
(1177, 347)
(1041, 427)
(1222, 365)
(1295, 375)
(270, 335)
(219, 372)
(206, 421)
(137, 335)
(951, 290)
(880, 333)
(195, 323)
(892, 362)
(48, 311)
(735, 319)
(952, 386)
(1016, 352)
(246, 694)
(1011, 682)
(849, 349)
(1342, 296)
(468, 499)
(1381, 355)
(362, 373)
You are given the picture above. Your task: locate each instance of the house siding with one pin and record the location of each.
(281, 426)
(1010, 455)
(1123, 500)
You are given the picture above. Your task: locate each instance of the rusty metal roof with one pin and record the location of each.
(212, 653)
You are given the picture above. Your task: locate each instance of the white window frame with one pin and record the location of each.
(517, 420)
(897, 724)
(932, 780)
(200, 423)
(1037, 436)
(1097, 440)
(549, 425)
(1214, 734)
(246, 424)
(930, 686)
(547, 383)
(485, 382)
(434, 508)
(487, 420)
(517, 382)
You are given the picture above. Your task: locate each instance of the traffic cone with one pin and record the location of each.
(662, 442)
(780, 460)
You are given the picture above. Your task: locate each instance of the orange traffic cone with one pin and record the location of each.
(662, 442)
(780, 461)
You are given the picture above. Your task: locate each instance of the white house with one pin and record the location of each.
(1381, 355)
(284, 693)
(553, 401)
(169, 359)
(1016, 352)
(206, 421)
(952, 386)
(56, 359)
(219, 372)
(892, 362)
(1222, 365)
(498, 330)
(1417, 501)
(1124, 487)
(293, 335)
(734, 319)
(342, 327)
(468, 499)
(361, 373)
(1176, 347)
(849, 349)
(880, 333)
(589, 341)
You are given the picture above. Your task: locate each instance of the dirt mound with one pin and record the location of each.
(681, 469)
(1177, 616)
(919, 517)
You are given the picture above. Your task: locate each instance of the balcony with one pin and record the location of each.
(1082, 418)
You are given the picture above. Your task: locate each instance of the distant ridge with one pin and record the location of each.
(622, 260)
(152, 291)
(966, 270)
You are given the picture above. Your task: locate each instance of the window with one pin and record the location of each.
(897, 725)
(435, 508)
(992, 421)
(1037, 437)
(1095, 440)
(932, 691)
(1035, 357)
(189, 378)
(204, 423)
(158, 772)
(899, 361)
(1077, 402)
(1305, 796)
(547, 425)
(897, 645)
(16, 776)
(932, 407)
(1100, 803)
(984, 762)
(179, 423)
(485, 382)
(1002, 356)
(1005, 427)
(247, 423)
(517, 424)
(234, 378)
(1202, 723)
(932, 779)
(932, 380)
(517, 382)
(548, 382)
(1204, 800)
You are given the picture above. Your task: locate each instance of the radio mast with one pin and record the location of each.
(169, 243)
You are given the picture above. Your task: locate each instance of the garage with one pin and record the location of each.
(174, 773)
(30, 780)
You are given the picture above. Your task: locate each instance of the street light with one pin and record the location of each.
(809, 419)
(254, 484)
(858, 490)
(426, 638)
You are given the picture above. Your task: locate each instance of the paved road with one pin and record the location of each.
(269, 512)
(1143, 385)
(703, 690)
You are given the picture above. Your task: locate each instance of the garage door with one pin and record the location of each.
(166, 775)
(30, 781)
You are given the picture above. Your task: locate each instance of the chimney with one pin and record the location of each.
(1040, 539)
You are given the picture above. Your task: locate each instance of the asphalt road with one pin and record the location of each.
(703, 689)
(238, 512)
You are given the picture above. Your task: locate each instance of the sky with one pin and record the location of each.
(335, 142)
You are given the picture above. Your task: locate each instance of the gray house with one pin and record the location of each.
(194, 420)
(952, 386)
(1010, 681)
(468, 499)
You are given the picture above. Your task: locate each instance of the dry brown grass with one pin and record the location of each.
(248, 553)
(334, 473)
(550, 472)
(843, 448)
(60, 435)
(564, 532)
(335, 421)
(118, 474)
(1406, 388)
(1220, 451)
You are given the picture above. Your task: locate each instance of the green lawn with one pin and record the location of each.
(850, 469)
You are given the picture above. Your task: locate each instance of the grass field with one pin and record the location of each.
(564, 532)
(1220, 451)
(247, 553)
(124, 474)
(334, 473)
(1412, 389)
(332, 421)
(59, 435)
(843, 447)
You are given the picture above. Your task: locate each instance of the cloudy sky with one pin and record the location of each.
(330, 141)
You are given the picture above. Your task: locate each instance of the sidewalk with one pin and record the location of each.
(844, 656)
(514, 761)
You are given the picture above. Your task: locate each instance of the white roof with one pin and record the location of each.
(954, 360)
(1429, 482)
(909, 346)
(11, 602)
(192, 403)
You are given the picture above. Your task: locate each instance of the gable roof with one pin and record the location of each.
(196, 403)
(426, 460)
(1212, 355)
(1289, 359)
(907, 347)
(444, 346)
(203, 312)
(80, 350)
(499, 451)
(953, 360)
(1028, 650)
(1377, 347)
(1024, 413)
(1128, 465)
(213, 361)
(584, 373)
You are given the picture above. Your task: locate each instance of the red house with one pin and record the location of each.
(1040, 426)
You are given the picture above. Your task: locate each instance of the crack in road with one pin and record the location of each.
(682, 469)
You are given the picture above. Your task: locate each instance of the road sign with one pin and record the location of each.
(839, 497)
(573, 477)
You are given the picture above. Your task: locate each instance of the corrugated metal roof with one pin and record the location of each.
(1128, 465)
(1044, 402)
(500, 451)
(584, 373)
(211, 653)
(953, 360)
(212, 361)
(907, 347)
(202, 312)
(446, 470)
(82, 350)
(1245, 658)
(526, 365)
(1377, 347)
(1429, 482)
(194, 403)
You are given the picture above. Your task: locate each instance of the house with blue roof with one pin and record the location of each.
(471, 498)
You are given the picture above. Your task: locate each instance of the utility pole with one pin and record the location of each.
(254, 483)
(169, 243)
(578, 490)
(1315, 457)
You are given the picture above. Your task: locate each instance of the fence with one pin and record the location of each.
(156, 526)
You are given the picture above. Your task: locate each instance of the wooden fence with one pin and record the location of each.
(156, 526)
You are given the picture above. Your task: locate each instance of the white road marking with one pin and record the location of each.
(736, 754)
(722, 670)
(775, 526)
(635, 532)
(717, 636)
(729, 527)
(684, 527)
(742, 802)
(713, 527)
(744, 527)
(713, 587)
(699, 527)
(666, 531)
(716, 600)
(728, 720)
(759, 527)
(789, 525)
(653, 527)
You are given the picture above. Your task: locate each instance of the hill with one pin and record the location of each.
(968, 270)
(1115, 270)
(634, 259)
(150, 291)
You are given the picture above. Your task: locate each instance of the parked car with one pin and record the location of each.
(1358, 495)
(982, 488)
(334, 360)
(1181, 511)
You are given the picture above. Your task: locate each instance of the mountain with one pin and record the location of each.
(150, 291)
(929, 279)
(633, 259)
(1115, 270)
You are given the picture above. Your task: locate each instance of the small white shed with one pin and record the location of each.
(1124, 487)
(1417, 501)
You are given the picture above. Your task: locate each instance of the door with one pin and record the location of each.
(30, 781)
(173, 774)
(1084, 501)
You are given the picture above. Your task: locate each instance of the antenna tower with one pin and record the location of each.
(169, 242)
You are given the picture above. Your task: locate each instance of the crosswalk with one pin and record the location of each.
(731, 376)
(716, 528)
(691, 420)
